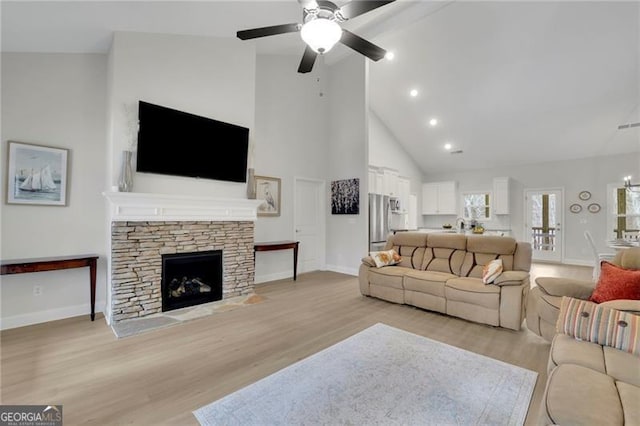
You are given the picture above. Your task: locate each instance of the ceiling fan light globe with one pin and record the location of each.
(321, 34)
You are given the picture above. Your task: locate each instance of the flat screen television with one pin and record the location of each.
(177, 143)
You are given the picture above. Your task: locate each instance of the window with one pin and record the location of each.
(476, 205)
(624, 210)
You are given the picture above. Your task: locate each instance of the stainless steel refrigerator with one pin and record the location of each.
(379, 221)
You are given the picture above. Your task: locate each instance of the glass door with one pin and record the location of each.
(543, 223)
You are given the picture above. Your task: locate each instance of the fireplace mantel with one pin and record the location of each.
(134, 206)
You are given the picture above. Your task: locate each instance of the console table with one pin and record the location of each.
(280, 245)
(22, 266)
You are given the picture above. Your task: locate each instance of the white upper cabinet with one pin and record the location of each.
(501, 189)
(404, 188)
(376, 180)
(439, 198)
(390, 178)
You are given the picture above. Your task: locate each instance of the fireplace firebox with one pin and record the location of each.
(190, 279)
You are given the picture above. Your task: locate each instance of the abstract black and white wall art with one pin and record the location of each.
(345, 196)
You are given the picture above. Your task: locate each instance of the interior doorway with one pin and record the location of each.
(309, 223)
(543, 223)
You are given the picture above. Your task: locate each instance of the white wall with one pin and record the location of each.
(591, 174)
(290, 141)
(347, 235)
(211, 77)
(386, 151)
(56, 100)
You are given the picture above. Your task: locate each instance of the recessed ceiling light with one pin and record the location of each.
(448, 146)
(389, 56)
(433, 122)
(413, 93)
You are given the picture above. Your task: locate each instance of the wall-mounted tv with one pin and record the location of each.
(172, 142)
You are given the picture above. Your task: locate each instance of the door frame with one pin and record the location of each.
(527, 228)
(323, 225)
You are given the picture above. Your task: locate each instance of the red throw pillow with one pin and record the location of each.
(616, 283)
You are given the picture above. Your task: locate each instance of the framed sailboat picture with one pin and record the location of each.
(37, 174)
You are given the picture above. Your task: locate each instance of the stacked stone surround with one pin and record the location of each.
(136, 259)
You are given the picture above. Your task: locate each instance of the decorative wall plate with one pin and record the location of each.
(584, 195)
(575, 208)
(593, 207)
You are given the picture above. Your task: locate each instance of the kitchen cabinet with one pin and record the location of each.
(501, 189)
(390, 179)
(440, 198)
(404, 188)
(376, 180)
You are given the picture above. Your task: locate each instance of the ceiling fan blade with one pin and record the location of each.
(358, 7)
(268, 31)
(308, 59)
(363, 46)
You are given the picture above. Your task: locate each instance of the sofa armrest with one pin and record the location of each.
(626, 305)
(578, 289)
(368, 260)
(512, 278)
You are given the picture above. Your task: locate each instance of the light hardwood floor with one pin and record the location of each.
(161, 376)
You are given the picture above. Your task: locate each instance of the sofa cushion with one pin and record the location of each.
(622, 365)
(410, 246)
(567, 350)
(615, 282)
(413, 239)
(450, 241)
(427, 281)
(473, 291)
(483, 249)
(629, 397)
(599, 324)
(631, 306)
(445, 260)
(389, 276)
(577, 395)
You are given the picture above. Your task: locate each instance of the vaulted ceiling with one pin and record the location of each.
(508, 82)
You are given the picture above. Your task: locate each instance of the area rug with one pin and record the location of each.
(382, 376)
(135, 326)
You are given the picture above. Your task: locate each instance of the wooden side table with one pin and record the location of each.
(280, 245)
(41, 264)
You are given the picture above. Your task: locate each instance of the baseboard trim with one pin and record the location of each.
(342, 270)
(578, 262)
(22, 320)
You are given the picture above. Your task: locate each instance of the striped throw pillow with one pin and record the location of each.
(599, 324)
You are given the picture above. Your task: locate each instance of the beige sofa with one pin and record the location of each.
(442, 272)
(588, 383)
(543, 301)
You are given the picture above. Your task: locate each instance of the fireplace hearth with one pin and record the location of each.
(190, 279)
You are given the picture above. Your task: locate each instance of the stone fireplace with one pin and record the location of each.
(147, 230)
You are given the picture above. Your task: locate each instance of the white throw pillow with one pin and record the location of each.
(491, 270)
(385, 258)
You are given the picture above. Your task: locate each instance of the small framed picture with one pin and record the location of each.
(575, 208)
(584, 195)
(36, 174)
(268, 190)
(593, 207)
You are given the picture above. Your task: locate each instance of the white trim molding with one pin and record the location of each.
(133, 206)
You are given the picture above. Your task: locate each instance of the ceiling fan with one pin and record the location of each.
(320, 29)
